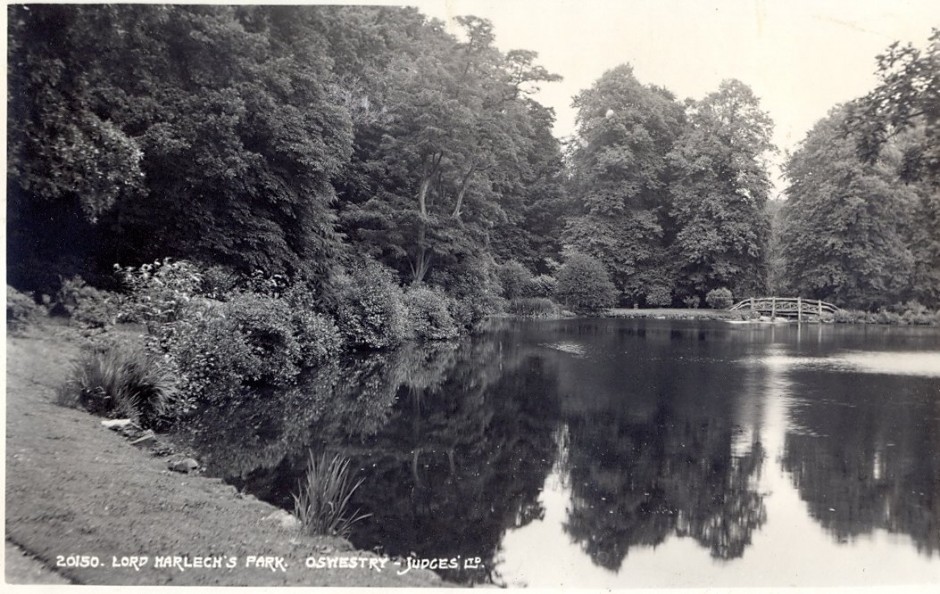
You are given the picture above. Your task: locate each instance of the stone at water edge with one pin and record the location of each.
(284, 519)
(147, 439)
(118, 424)
(185, 465)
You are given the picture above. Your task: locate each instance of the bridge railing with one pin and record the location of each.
(786, 306)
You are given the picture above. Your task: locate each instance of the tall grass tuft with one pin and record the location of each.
(324, 495)
(120, 381)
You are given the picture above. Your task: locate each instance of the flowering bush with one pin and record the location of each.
(158, 292)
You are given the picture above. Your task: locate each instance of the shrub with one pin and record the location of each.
(85, 305)
(514, 278)
(318, 336)
(218, 282)
(213, 355)
(226, 349)
(21, 310)
(323, 497)
(719, 298)
(659, 296)
(123, 381)
(429, 315)
(370, 311)
(267, 326)
(534, 307)
(692, 301)
(583, 284)
(542, 285)
(273, 285)
(159, 292)
(474, 288)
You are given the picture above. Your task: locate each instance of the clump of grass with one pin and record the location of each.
(324, 495)
(120, 381)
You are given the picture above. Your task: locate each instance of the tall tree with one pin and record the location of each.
(844, 221)
(619, 177)
(903, 113)
(907, 97)
(455, 130)
(720, 192)
(67, 163)
(227, 112)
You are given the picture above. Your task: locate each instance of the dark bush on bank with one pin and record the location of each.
(719, 298)
(267, 326)
(583, 284)
(659, 296)
(474, 288)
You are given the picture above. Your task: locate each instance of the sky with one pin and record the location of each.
(800, 57)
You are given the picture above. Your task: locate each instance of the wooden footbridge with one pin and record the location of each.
(787, 307)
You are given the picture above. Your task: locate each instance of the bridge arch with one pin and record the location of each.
(787, 307)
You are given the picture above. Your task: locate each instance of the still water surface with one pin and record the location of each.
(618, 453)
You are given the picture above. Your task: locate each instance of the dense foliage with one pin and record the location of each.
(620, 176)
(720, 298)
(861, 226)
(844, 222)
(281, 183)
(583, 284)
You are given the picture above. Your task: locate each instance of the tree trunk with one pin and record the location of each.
(464, 184)
(422, 261)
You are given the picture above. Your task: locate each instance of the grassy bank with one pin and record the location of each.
(75, 488)
(673, 314)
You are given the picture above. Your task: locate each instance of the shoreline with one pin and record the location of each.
(80, 494)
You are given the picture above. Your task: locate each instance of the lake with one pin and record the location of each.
(623, 452)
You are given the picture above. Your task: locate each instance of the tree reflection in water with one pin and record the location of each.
(865, 455)
(636, 483)
(452, 447)
(655, 429)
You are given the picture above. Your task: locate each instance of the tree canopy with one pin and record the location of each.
(299, 140)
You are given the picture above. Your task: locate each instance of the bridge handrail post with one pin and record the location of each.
(799, 309)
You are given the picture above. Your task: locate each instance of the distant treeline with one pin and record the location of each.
(303, 142)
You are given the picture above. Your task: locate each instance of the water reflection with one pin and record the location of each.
(646, 435)
(651, 444)
(863, 454)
